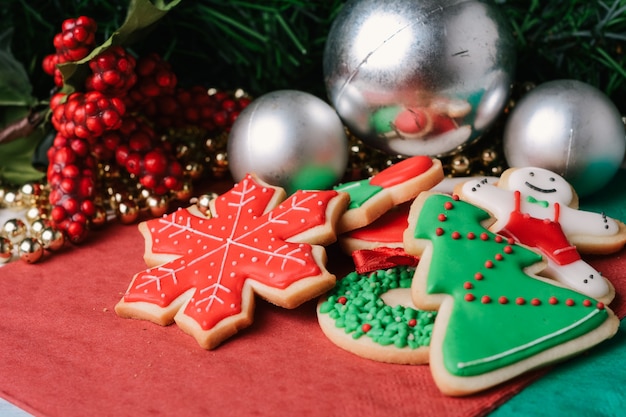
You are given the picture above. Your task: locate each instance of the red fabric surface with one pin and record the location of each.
(64, 351)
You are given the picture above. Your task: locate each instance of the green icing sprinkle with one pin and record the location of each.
(364, 309)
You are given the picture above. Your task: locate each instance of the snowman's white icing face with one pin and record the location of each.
(541, 184)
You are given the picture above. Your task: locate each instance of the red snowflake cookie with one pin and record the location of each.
(203, 272)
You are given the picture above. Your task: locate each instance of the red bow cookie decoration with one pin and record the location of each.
(203, 272)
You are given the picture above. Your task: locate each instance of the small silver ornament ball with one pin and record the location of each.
(570, 128)
(419, 77)
(290, 139)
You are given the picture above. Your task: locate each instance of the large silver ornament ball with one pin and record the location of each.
(290, 139)
(570, 128)
(419, 77)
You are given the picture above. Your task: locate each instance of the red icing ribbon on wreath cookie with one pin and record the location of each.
(369, 260)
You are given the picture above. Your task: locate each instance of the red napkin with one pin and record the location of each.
(64, 351)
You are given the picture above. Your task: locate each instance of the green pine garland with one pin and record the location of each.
(577, 39)
(262, 46)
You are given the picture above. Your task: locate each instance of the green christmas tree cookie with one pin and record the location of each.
(496, 319)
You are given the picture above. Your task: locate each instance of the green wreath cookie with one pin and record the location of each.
(363, 315)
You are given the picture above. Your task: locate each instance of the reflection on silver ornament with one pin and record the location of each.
(568, 127)
(290, 139)
(414, 77)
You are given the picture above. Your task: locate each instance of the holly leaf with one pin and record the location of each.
(142, 17)
(15, 87)
(252, 244)
(16, 101)
(16, 156)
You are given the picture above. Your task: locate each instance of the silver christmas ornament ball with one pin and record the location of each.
(290, 139)
(568, 127)
(419, 77)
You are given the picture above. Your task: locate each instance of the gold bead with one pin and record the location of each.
(194, 170)
(127, 212)
(118, 197)
(36, 213)
(14, 230)
(29, 193)
(12, 199)
(52, 239)
(210, 145)
(37, 226)
(157, 205)
(6, 250)
(460, 165)
(239, 93)
(220, 164)
(100, 217)
(30, 250)
(143, 194)
(203, 203)
(489, 156)
(185, 192)
(110, 171)
(496, 171)
(182, 151)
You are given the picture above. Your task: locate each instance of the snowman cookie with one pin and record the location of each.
(539, 208)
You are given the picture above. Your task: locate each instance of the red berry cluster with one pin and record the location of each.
(79, 119)
(76, 40)
(113, 72)
(118, 120)
(154, 78)
(143, 157)
(212, 112)
(71, 176)
(86, 115)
